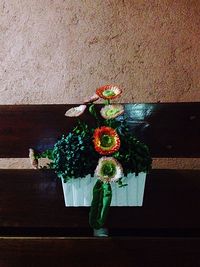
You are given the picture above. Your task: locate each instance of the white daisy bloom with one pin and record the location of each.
(91, 99)
(76, 111)
(112, 111)
(109, 170)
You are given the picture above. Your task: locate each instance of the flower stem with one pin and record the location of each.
(92, 110)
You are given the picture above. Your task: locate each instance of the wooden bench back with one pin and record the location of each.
(170, 129)
(167, 226)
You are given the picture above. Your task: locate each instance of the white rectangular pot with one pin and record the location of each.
(78, 192)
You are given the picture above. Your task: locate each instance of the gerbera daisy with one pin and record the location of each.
(75, 112)
(111, 111)
(106, 140)
(108, 92)
(108, 169)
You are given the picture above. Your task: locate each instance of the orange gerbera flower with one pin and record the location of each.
(108, 91)
(106, 140)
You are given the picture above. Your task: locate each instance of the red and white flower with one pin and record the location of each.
(109, 92)
(106, 140)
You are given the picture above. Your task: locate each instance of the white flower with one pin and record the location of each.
(108, 169)
(112, 111)
(91, 99)
(76, 111)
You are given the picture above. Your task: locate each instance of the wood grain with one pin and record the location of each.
(34, 220)
(31, 203)
(123, 252)
(170, 129)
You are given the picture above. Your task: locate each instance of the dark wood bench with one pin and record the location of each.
(35, 227)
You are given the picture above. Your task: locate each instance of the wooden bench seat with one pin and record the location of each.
(36, 227)
(100, 252)
(32, 203)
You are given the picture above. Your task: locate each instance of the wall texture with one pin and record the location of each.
(59, 51)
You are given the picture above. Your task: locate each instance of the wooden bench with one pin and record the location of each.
(36, 228)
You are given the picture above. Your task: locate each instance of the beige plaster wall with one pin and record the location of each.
(59, 51)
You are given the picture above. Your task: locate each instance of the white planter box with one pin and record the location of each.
(78, 192)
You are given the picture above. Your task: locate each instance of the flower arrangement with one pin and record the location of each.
(107, 150)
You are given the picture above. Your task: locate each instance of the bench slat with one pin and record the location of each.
(33, 201)
(170, 129)
(100, 252)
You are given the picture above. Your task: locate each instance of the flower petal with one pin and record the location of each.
(91, 99)
(109, 169)
(76, 111)
(109, 91)
(106, 140)
(111, 111)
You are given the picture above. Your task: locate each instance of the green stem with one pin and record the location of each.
(107, 102)
(93, 112)
(102, 196)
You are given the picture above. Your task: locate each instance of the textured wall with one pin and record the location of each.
(59, 51)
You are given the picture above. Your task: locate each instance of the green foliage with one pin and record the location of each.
(74, 155)
(45, 154)
(120, 183)
(133, 155)
(93, 112)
